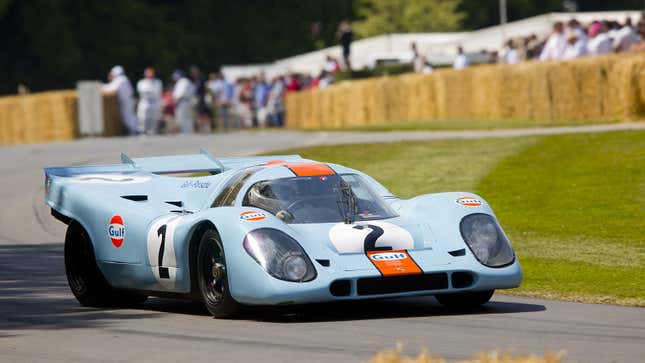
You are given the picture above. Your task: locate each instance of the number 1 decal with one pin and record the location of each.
(163, 271)
(161, 250)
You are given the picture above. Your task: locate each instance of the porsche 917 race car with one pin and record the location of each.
(269, 230)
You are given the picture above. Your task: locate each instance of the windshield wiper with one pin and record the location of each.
(347, 204)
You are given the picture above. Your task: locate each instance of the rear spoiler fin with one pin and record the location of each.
(203, 162)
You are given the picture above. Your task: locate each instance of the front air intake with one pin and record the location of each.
(340, 288)
(461, 280)
(396, 284)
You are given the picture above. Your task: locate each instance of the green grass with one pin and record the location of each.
(447, 125)
(572, 205)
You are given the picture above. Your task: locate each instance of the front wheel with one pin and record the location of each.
(464, 300)
(213, 278)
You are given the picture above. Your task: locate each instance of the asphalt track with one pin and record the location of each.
(41, 321)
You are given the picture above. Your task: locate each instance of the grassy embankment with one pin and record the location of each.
(572, 205)
(456, 125)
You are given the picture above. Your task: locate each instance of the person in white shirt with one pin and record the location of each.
(576, 28)
(625, 37)
(182, 94)
(600, 43)
(511, 55)
(120, 84)
(149, 106)
(575, 47)
(555, 45)
(461, 61)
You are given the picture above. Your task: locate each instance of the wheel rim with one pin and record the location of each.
(213, 273)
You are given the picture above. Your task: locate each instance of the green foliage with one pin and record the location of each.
(403, 16)
(571, 204)
(53, 43)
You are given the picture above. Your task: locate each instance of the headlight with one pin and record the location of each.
(279, 255)
(486, 240)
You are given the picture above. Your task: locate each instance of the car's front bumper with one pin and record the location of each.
(449, 275)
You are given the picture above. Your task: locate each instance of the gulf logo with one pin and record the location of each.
(468, 201)
(252, 216)
(388, 256)
(116, 231)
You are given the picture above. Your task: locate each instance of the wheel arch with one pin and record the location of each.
(195, 237)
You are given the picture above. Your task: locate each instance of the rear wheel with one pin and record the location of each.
(465, 299)
(213, 278)
(84, 277)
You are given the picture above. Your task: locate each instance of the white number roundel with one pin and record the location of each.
(367, 236)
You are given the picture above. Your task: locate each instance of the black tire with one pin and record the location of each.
(465, 300)
(84, 277)
(214, 287)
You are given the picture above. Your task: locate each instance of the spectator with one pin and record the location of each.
(243, 102)
(555, 44)
(292, 83)
(461, 61)
(331, 65)
(600, 43)
(149, 106)
(260, 97)
(576, 28)
(511, 55)
(424, 66)
(275, 102)
(182, 95)
(639, 46)
(167, 112)
(345, 35)
(222, 93)
(120, 84)
(201, 108)
(575, 47)
(418, 61)
(325, 79)
(625, 37)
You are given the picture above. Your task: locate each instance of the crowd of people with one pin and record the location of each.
(572, 40)
(192, 103)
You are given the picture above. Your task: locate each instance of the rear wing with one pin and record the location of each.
(173, 164)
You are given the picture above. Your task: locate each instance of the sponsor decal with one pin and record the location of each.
(116, 231)
(252, 216)
(388, 256)
(196, 184)
(394, 263)
(468, 201)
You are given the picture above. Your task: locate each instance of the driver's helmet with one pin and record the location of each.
(262, 195)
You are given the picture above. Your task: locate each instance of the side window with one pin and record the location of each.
(227, 197)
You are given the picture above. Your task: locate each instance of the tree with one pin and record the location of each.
(405, 16)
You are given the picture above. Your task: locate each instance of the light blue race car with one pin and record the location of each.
(269, 230)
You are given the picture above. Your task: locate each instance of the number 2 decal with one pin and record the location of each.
(369, 243)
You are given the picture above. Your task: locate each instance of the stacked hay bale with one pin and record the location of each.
(41, 117)
(605, 88)
(49, 116)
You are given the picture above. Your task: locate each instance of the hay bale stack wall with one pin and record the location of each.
(606, 88)
(49, 116)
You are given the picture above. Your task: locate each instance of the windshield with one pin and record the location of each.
(318, 199)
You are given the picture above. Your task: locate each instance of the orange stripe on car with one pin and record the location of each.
(305, 169)
(394, 263)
